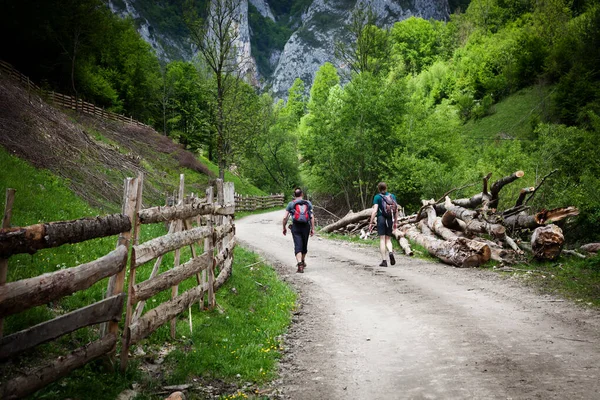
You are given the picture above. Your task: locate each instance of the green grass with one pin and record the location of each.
(513, 116)
(574, 279)
(241, 185)
(251, 320)
(241, 337)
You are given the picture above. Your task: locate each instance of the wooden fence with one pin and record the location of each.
(65, 101)
(251, 203)
(214, 225)
(216, 230)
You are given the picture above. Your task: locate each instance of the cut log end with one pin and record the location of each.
(547, 242)
(519, 174)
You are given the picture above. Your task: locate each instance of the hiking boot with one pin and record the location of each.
(392, 259)
(383, 263)
(300, 267)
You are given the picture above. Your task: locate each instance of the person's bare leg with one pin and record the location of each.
(388, 243)
(382, 247)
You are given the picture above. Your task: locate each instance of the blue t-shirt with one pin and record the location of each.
(291, 205)
(378, 199)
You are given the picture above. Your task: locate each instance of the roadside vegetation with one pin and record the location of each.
(236, 345)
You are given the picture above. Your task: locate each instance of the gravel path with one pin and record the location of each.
(421, 330)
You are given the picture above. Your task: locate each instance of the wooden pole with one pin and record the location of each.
(209, 249)
(8, 204)
(175, 289)
(207, 244)
(136, 231)
(117, 282)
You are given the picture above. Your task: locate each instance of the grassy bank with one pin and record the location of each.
(234, 344)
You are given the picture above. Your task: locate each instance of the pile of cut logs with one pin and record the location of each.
(469, 232)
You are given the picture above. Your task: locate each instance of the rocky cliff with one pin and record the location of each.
(310, 28)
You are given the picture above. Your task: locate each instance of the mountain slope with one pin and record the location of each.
(95, 155)
(285, 39)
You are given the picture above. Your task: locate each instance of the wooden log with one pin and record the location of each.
(32, 238)
(450, 221)
(109, 309)
(573, 253)
(228, 238)
(22, 295)
(523, 221)
(8, 204)
(590, 247)
(25, 385)
(184, 211)
(124, 356)
(460, 252)
(435, 224)
(348, 219)
(139, 308)
(225, 253)
(169, 242)
(404, 244)
(208, 246)
(522, 194)
(160, 315)
(146, 289)
(222, 231)
(179, 223)
(547, 242)
(224, 274)
(500, 183)
(116, 283)
(474, 225)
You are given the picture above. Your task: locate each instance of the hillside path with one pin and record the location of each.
(422, 330)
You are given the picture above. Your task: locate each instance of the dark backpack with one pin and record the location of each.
(390, 207)
(301, 212)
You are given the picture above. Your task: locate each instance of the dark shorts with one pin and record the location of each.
(385, 226)
(300, 233)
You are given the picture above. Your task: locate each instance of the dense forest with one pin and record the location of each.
(402, 109)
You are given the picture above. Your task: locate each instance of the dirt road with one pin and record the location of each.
(420, 330)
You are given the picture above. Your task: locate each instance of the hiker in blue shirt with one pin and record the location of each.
(385, 207)
(303, 225)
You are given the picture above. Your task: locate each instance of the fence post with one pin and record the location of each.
(135, 224)
(10, 198)
(209, 249)
(178, 223)
(228, 198)
(117, 282)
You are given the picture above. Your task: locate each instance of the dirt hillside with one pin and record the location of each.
(95, 155)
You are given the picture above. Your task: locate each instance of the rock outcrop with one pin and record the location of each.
(311, 45)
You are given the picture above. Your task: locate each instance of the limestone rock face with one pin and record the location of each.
(311, 44)
(263, 8)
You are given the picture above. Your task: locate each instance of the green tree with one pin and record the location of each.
(367, 48)
(187, 109)
(217, 41)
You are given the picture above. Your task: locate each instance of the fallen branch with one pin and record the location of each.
(540, 184)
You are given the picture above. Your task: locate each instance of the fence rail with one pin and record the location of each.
(213, 233)
(251, 203)
(66, 101)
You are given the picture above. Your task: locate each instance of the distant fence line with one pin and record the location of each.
(65, 101)
(204, 225)
(251, 203)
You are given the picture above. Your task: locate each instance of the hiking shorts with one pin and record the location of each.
(300, 233)
(385, 226)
